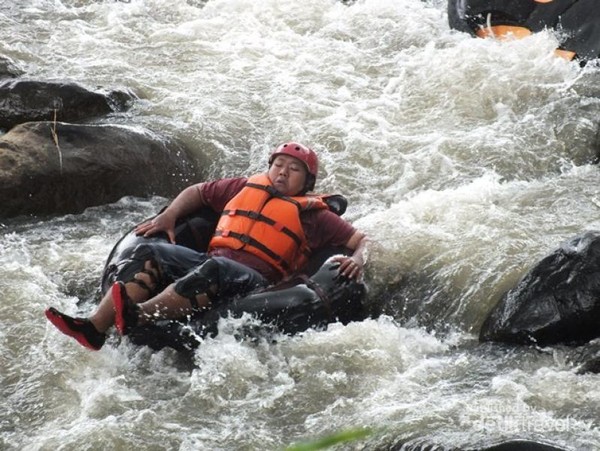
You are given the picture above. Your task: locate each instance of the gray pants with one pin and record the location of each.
(193, 272)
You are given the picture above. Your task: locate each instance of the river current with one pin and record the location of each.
(465, 160)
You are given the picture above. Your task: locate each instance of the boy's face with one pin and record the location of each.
(288, 175)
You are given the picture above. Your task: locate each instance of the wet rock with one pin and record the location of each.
(8, 68)
(509, 445)
(558, 301)
(591, 366)
(521, 445)
(86, 165)
(29, 100)
(586, 358)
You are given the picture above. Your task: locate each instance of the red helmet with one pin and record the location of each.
(301, 152)
(305, 155)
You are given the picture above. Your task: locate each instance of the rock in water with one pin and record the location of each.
(48, 168)
(558, 301)
(32, 100)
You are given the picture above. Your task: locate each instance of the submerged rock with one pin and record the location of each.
(558, 301)
(30, 100)
(48, 168)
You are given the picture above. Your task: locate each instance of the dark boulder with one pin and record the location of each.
(86, 165)
(29, 100)
(558, 301)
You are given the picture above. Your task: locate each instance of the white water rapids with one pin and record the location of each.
(465, 160)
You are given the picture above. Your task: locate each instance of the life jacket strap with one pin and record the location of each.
(255, 243)
(260, 217)
(274, 193)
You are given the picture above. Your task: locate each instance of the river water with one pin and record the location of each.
(466, 161)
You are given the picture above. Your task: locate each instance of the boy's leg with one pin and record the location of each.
(165, 305)
(146, 271)
(214, 279)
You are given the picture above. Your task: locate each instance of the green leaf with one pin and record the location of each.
(330, 440)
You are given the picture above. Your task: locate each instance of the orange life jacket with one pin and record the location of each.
(262, 221)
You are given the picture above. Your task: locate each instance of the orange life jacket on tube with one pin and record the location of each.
(264, 222)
